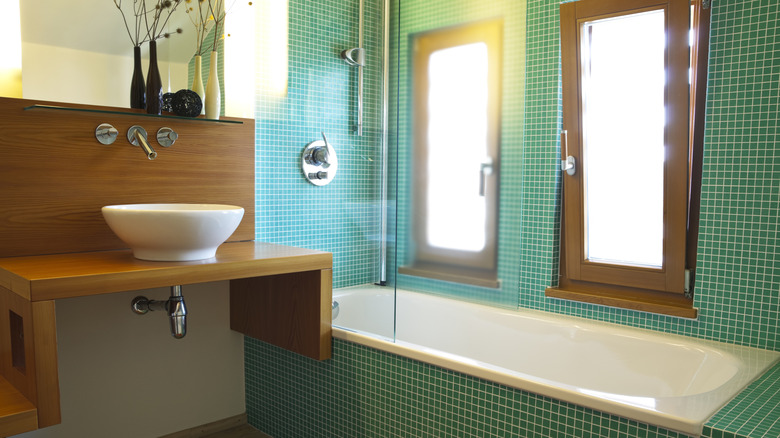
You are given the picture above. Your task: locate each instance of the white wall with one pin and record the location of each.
(62, 74)
(123, 375)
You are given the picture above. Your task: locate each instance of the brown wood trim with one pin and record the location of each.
(669, 279)
(632, 299)
(17, 414)
(46, 372)
(21, 377)
(208, 429)
(571, 185)
(326, 314)
(607, 8)
(18, 392)
(700, 56)
(291, 311)
(58, 276)
(55, 176)
(476, 277)
(425, 44)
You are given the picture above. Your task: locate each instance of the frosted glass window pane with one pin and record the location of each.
(623, 139)
(457, 145)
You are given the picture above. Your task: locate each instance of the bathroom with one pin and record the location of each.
(364, 392)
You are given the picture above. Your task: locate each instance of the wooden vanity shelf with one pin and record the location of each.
(278, 294)
(54, 178)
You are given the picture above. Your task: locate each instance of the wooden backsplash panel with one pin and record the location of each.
(55, 176)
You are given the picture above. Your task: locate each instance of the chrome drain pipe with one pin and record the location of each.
(174, 306)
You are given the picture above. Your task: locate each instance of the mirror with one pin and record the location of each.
(451, 51)
(80, 52)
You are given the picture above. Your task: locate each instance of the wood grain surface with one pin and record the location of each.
(55, 176)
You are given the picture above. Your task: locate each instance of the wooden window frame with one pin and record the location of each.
(667, 290)
(477, 268)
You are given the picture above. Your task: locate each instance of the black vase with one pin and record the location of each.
(154, 94)
(137, 86)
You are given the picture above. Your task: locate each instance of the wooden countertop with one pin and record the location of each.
(48, 277)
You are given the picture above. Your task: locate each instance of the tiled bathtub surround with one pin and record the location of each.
(365, 393)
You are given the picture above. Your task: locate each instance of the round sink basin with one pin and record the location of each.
(173, 232)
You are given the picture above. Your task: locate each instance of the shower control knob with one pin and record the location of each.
(319, 162)
(319, 156)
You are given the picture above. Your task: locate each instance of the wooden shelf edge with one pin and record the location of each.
(610, 301)
(17, 414)
(49, 277)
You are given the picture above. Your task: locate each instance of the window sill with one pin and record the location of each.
(672, 305)
(476, 277)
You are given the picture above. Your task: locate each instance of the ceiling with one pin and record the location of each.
(97, 26)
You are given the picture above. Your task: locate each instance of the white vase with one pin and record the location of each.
(212, 89)
(197, 84)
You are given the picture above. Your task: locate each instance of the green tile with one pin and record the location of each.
(365, 393)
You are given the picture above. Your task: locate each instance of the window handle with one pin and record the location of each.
(568, 164)
(485, 169)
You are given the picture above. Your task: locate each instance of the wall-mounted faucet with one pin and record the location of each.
(136, 135)
(105, 133)
(174, 306)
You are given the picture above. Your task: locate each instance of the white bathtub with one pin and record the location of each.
(670, 381)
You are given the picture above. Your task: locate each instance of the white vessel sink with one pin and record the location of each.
(173, 232)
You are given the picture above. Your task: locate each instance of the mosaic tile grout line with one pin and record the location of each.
(365, 393)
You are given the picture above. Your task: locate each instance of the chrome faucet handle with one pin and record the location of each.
(319, 156)
(106, 133)
(166, 137)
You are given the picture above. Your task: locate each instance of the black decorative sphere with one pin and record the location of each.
(186, 103)
(168, 102)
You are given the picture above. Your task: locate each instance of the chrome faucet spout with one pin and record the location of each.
(137, 137)
(148, 150)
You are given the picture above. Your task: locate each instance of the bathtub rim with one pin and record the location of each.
(399, 348)
(538, 386)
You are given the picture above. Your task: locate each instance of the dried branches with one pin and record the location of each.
(139, 13)
(153, 20)
(210, 14)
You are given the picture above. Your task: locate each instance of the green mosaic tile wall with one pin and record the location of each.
(738, 282)
(362, 392)
(343, 216)
(418, 16)
(755, 412)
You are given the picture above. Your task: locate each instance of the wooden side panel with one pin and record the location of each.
(17, 414)
(44, 325)
(28, 352)
(291, 311)
(17, 354)
(55, 176)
